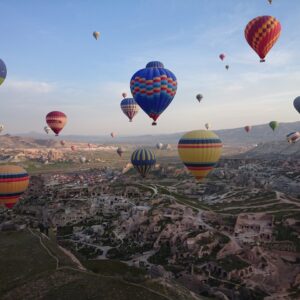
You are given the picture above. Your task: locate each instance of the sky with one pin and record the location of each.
(54, 63)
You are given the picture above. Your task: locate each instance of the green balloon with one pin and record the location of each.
(273, 125)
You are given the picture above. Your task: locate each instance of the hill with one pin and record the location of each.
(34, 267)
(236, 136)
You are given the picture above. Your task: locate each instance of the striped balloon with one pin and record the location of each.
(200, 150)
(129, 107)
(14, 181)
(153, 88)
(3, 71)
(56, 120)
(261, 34)
(143, 160)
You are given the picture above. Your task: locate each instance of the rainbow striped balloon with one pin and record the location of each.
(143, 160)
(129, 107)
(14, 181)
(200, 150)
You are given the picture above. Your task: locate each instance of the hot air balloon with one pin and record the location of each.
(56, 120)
(159, 146)
(112, 134)
(293, 137)
(62, 143)
(1, 128)
(96, 34)
(247, 128)
(270, 1)
(261, 34)
(3, 71)
(129, 107)
(120, 151)
(143, 160)
(227, 67)
(89, 145)
(207, 126)
(200, 150)
(222, 56)
(82, 159)
(47, 129)
(273, 125)
(14, 181)
(297, 104)
(199, 97)
(153, 88)
(124, 95)
(73, 148)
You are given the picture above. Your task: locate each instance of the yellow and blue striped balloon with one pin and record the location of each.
(143, 160)
(200, 150)
(14, 181)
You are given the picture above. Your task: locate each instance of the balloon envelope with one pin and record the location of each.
(297, 104)
(62, 143)
(3, 71)
(200, 151)
(293, 137)
(207, 126)
(112, 134)
(96, 34)
(47, 129)
(1, 128)
(247, 128)
(143, 160)
(199, 97)
(56, 120)
(273, 125)
(120, 151)
(222, 56)
(159, 146)
(153, 88)
(262, 33)
(129, 107)
(14, 181)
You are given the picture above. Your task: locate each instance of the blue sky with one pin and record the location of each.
(54, 63)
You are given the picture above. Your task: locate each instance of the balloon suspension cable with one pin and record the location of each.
(154, 123)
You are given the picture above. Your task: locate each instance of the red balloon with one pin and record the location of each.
(56, 120)
(222, 56)
(248, 128)
(261, 34)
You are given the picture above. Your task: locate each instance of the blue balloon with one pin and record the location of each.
(143, 160)
(297, 104)
(153, 88)
(3, 71)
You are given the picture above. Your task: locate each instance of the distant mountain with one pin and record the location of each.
(274, 150)
(236, 136)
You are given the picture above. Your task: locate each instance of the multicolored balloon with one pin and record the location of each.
(14, 181)
(56, 120)
(261, 34)
(222, 56)
(96, 34)
(199, 97)
(143, 160)
(207, 126)
(273, 125)
(129, 107)
(124, 95)
(247, 128)
(3, 71)
(200, 151)
(153, 88)
(120, 151)
(297, 104)
(293, 137)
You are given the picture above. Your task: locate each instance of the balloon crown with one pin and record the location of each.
(155, 64)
